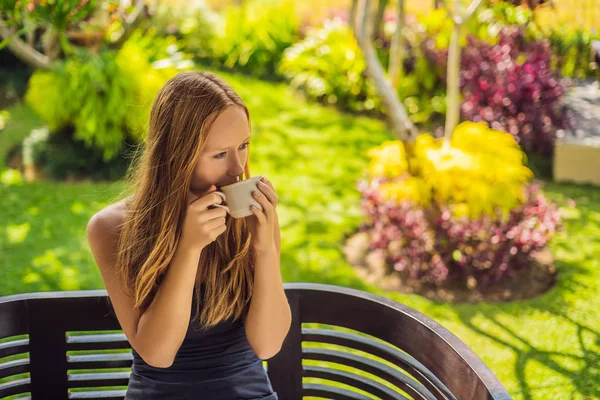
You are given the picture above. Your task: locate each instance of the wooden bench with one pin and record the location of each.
(427, 361)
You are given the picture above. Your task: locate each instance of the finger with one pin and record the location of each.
(265, 203)
(213, 214)
(261, 198)
(268, 192)
(216, 223)
(215, 233)
(212, 206)
(260, 216)
(268, 183)
(207, 200)
(192, 197)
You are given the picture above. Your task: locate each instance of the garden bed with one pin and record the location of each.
(527, 283)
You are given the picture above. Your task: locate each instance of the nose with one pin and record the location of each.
(236, 169)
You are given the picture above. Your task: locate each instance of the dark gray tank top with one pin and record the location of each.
(216, 363)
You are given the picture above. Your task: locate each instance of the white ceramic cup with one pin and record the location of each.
(238, 197)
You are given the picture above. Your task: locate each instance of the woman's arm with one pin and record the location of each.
(269, 318)
(277, 236)
(162, 328)
(158, 333)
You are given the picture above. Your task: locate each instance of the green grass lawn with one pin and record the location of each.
(547, 348)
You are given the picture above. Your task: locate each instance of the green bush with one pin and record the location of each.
(486, 24)
(66, 158)
(572, 52)
(14, 75)
(105, 97)
(193, 25)
(254, 36)
(328, 66)
(421, 90)
(60, 157)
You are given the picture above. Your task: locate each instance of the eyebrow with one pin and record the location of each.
(227, 147)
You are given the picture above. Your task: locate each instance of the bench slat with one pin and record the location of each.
(98, 379)
(395, 377)
(99, 361)
(357, 381)
(330, 392)
(99, 395)
(386, 352)
(17, 386)
(98, 342)
(101, 365)
(14, 347)
(14, 367)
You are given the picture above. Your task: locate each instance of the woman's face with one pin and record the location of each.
(223, 159)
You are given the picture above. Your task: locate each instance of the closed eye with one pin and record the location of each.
(221, 155)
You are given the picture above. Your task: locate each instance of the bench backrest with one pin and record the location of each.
(409, 354)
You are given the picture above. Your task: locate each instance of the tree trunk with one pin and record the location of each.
(23, 51)
(51, 40)
(352, 18)
(51, 44)
(397, 48)
(379, 19)
(453, 84)
(453, 73)
(139, 14)
(30, 34)
(398, 118)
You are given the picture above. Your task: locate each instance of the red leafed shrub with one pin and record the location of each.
(510, 85)
(433, 246)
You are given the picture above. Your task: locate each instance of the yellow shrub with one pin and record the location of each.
(388, 160)
(480, 172)
(412, 188)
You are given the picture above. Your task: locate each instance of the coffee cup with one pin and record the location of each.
(238, 197)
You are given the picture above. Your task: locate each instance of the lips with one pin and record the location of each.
(231, 182)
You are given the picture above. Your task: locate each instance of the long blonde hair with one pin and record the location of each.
(181, 116)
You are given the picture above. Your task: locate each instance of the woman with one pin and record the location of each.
(198, 294)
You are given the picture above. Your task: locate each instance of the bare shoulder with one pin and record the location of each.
(102, 232)
(104, 227)
(108, 220)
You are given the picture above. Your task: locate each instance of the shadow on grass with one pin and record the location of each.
(585, 379)
(569, 303)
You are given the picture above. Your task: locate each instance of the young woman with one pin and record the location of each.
(198, 294)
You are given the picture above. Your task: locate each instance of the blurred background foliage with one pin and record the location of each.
(472, 212)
